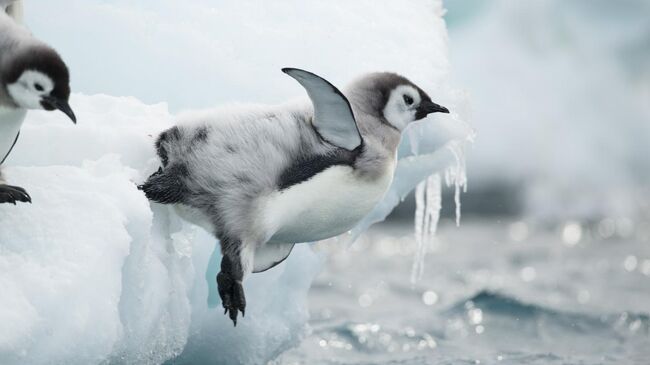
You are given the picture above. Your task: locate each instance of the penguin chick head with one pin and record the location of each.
(39, 79)
(394, 98)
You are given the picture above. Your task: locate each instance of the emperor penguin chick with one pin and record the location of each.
(263, 179)
(32, 76)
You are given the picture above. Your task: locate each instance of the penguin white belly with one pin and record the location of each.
(11, 119)
(326, 205)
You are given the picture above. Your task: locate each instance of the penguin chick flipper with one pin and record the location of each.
(13, 194)
(333, 117)
(270, 255)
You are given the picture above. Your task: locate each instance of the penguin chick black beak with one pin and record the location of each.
(51, 102)
(427, 107)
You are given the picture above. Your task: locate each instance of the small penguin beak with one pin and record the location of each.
(428, 107)
(62, 105)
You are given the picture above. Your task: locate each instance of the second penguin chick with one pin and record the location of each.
(32, 76)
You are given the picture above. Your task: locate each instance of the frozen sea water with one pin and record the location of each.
(489, 295)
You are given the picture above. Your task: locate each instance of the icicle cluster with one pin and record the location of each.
(428, 199)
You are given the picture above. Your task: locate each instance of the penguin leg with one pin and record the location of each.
(235, 264)
(12, 194)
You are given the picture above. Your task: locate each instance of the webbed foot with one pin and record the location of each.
(232, 296)
(13, 194)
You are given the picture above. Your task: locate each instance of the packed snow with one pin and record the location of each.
(91, 272)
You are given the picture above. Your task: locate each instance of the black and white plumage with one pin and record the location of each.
(264, 178)
(32, 76)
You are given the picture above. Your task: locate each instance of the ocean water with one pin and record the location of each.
(492, 292)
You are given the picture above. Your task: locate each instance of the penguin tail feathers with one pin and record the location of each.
(165, 186)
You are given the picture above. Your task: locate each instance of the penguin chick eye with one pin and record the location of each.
(408, 100)
(38, 87)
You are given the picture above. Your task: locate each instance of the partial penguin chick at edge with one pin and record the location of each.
(32, 77)
(264, 178)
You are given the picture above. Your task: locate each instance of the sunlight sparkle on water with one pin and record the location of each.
(429, 297)
(571, 233)
(630, 263)
(518, 231)
(475, 315)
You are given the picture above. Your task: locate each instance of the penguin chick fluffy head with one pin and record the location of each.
(393, 98)
(37, 78)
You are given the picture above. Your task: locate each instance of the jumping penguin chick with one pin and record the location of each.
(264, 179)
(32, 76)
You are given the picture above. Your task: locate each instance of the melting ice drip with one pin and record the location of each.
(428, 199)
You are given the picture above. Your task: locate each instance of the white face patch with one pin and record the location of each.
(401, 107)
(29, 89)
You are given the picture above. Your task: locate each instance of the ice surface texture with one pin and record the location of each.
(93, 273)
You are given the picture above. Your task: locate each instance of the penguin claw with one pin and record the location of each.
(232, 296)
(13, 194)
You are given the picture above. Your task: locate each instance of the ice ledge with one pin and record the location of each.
(91, 272)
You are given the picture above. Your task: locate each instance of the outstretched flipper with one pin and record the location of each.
(333, 117)
(270, 255)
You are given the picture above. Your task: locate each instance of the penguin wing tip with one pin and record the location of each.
(297, 72)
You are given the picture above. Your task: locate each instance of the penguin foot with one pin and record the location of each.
(232, 296)
(13, 194)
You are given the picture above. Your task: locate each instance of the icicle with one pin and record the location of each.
(457, 176)
(419, 228)
(434, 203)
(427, 213)
(428, 202)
